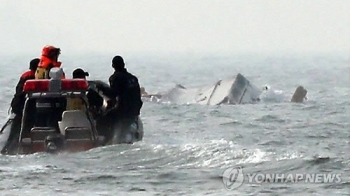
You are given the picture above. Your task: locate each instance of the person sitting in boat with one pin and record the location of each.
(125, 94)
(94, 99)
(77, 103)
(48, 60)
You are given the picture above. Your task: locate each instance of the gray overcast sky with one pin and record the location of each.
(175, 25)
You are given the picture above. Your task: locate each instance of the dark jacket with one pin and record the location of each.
(94, 98)
(18, 100)
(125, 87)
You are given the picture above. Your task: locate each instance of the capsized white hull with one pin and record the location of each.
(235, 90)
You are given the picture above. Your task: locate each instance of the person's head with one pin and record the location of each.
(142, 90)
(34, 64)
(79, 73)
(118, 63)
(265, 88)
(51, 52)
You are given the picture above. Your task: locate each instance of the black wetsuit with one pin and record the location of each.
(126, 88)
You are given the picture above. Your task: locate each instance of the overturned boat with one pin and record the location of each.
(235, 90)
(47, 125)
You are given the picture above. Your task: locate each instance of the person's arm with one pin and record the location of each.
(17, 101)
(115, 83)
(117, 86)
(20, 85)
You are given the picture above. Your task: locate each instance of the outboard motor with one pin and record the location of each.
(54, 143)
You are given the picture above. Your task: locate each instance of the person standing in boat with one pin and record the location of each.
(17, 103)
(18, 100)
(125, 95)
(48, 60)
(49, 111)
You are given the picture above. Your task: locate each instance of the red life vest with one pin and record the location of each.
(28, 75)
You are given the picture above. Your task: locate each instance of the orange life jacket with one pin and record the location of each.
(45, 64)
(75, 103)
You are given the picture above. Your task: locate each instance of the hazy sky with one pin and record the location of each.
(175, 25)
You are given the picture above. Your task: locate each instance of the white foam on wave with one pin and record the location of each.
(255, 156)
(288, 156)
(158, 147)
(209, 154)
(213, 154)
(18, 170)
(272, 95)
(221, 153)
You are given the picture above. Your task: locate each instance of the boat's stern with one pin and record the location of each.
(47, 139)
